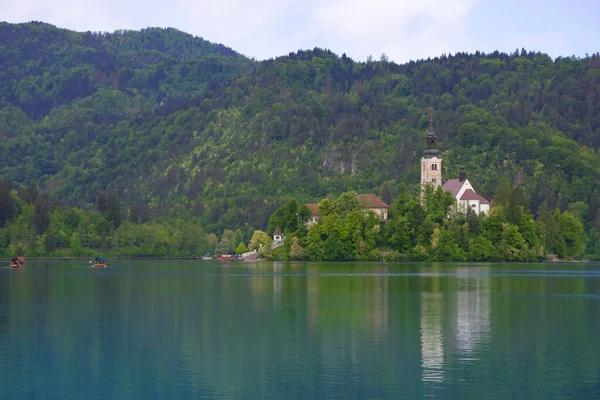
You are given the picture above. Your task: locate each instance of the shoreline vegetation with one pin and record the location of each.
(549, 260)
(437, 230)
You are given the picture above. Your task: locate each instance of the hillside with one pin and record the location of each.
(43, 67)
(196, 130)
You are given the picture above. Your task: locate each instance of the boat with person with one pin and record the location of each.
(100, 262)
(226, 257)
(17, 262)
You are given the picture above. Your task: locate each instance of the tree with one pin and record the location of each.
(326, 207)
(503, 191)
(512, 245)
(297, 252)
(241, 248)
(212, 241)
(108, 203)
(400, 233)
(346, 203)
(291, 218)
(139, 214)
(230, 237)
(571, 229)
(223, 246)
(480, 249)
(238, 237)
(7, 205)
(259, 238)
(41, 216)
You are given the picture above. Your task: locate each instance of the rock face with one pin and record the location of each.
(332, 161)
(250, 256)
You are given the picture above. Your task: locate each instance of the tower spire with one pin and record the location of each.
(430, 126)
(431, 149)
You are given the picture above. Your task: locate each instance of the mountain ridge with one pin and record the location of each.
(313, 124)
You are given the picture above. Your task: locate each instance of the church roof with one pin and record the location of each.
(314, 211)
(371, 201)
(469, 194)
(277, 232)
(368, 200)
(453, 185)
(483, 200)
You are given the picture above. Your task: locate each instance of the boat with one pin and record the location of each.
(17, 262)
(226, 257)
(100, 262)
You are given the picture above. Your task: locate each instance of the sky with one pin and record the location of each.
(404, 30)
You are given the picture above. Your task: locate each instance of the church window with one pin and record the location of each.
(434, 167)
(433, 180)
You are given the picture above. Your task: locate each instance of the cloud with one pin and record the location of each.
(403, 29)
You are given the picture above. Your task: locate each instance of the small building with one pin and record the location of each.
(465, 194)
(368, 202)
(277, 235)
(314, 214)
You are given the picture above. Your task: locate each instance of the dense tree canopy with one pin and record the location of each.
(182, 128)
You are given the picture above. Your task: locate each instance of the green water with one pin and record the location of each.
(209, 330)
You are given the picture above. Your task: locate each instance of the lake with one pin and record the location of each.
(209, 330)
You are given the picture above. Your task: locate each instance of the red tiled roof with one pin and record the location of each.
(277, 231)
(469, 194)
(313, 209)
(483, 200)
(371, 201)
(453, 185)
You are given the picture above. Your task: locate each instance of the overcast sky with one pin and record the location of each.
(403, 29)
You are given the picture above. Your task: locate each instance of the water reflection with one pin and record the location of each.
(432, 341)
(472, 310)
(296, 330)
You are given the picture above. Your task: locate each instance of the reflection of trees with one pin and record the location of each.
(357, 298)
(277, 282)
(177, 333)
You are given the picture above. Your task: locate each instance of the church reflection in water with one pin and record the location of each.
(464, 310)
(432, 340)
(472, 311)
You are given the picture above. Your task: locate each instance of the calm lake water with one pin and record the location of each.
(208, 330)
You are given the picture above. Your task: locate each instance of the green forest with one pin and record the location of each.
(159, 143)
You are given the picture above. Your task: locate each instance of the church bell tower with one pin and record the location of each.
(431, 163)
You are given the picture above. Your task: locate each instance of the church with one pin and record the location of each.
(461, 188)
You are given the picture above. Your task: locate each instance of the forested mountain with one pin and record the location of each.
(195, 130)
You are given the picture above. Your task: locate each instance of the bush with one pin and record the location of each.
(394, 256)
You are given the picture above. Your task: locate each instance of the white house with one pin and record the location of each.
(277, 235)
(465, 194)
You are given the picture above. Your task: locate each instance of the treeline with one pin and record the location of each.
(33, 224)
(439, 230)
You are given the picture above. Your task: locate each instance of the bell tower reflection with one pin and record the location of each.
(432, 342)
